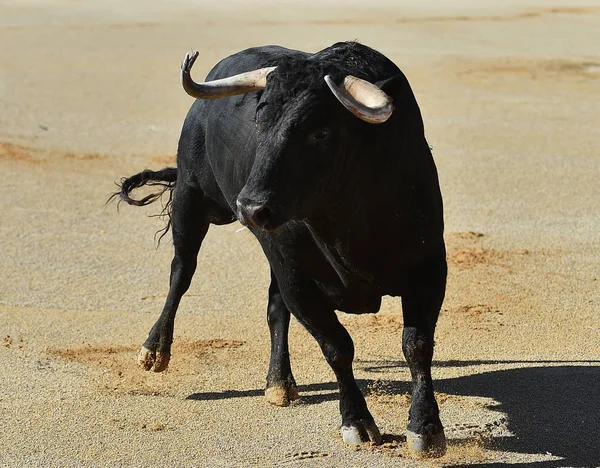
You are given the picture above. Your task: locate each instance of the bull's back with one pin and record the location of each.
(252, 59)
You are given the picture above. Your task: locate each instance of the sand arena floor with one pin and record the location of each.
(89, 92)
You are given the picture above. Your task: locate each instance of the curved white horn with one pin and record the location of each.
(254, 80)
(365, 100)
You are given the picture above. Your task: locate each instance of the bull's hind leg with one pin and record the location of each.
(281, 386)
(421, 307)
(189, 225)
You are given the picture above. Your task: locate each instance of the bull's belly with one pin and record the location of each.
(357, 298)
(296, 259)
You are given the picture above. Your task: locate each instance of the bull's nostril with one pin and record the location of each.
(260, 215)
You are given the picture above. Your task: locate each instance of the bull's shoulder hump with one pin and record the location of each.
(252, 59)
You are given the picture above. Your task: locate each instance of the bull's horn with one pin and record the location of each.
(365, 100)
(254, 80)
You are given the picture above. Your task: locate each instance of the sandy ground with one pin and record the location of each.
(89, 92)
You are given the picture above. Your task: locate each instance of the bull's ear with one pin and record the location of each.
(394, 87)
(407, 112)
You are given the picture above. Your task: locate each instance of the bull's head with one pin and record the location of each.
(302, 135)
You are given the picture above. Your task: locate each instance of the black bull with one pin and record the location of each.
(346, 212)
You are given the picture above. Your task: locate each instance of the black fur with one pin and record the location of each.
(345, 211)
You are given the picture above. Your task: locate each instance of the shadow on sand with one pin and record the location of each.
(552, 409)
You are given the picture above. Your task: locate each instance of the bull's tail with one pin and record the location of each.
(165, 178)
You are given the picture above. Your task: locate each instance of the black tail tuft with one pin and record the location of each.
(165, 178)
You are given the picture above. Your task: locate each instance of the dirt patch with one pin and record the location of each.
(463, 452)
(477, 317)
(81, 156)
(387, 404)
(573, 11)
(382, 393)
(91, 354)
(586, 68)
(475, 311)
(13, 152)
(465, 251)
(154, 426)
(391, 446)
(373, 322)
(110, 356)
(201, 347)
(470, 447)
(121, 371)
(465, 258)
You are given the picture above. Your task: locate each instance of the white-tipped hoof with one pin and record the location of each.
(426, 445)
(281, 395)
(151, 360)
(361, 432)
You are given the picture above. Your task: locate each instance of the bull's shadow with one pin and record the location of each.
(550, 410)
(554, 409)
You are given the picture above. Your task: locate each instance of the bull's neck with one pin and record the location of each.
(348, 236)
(381, 214)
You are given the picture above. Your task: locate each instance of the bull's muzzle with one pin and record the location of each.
(251, 213)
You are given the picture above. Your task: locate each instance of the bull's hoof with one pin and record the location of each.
(153, 360)
(281, 395)
(361, 431)
(426, 445)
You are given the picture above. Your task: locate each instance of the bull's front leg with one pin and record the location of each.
(336, 344)
(281, 386)
(421, 306)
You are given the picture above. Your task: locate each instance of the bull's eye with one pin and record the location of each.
(319, 135)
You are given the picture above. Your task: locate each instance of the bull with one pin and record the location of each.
(323, 157)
